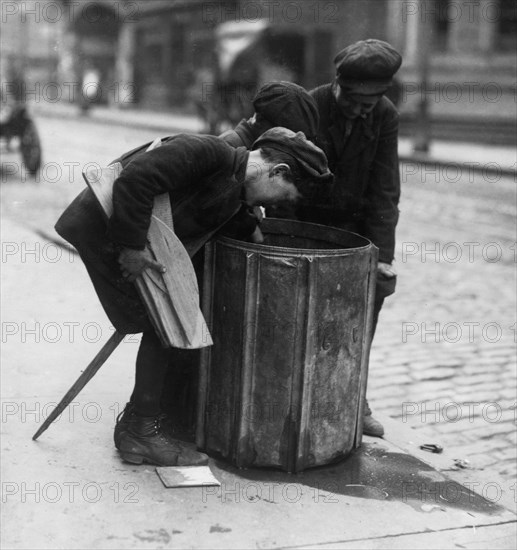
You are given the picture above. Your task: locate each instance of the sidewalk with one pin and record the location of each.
(70, 489)
(478, 157)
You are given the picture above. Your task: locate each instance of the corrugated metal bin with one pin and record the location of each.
(291, 323)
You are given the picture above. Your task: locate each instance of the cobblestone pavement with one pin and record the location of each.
(444, 356)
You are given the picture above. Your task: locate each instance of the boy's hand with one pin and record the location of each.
(386, 270)
(244, 224)
(134, 262)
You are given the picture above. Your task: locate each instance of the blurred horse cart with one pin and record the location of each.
(16, 124)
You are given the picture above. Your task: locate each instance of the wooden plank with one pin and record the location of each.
(100, 181)
(162, 210)
(180, 282)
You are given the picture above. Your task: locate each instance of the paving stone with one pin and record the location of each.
(482, 368)
(383, 370)
(435, 373)
(511, 437)
(508, 470)
(506, 454)
(482, 461)
(391, 407)
(474, 395)
(492, 431)
(398, 380)
(445, 427)
(433, 390)
(382, 393)
(474, 448)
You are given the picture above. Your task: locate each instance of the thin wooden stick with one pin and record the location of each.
(85, 377)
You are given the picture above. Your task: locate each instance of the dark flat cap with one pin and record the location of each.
(311, 160)
(369, 61)
(288, 105)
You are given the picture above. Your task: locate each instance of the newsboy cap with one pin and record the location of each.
(288, 105)
(367, 61)
(310, 160)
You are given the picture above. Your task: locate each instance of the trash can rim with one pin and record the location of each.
(300, 251)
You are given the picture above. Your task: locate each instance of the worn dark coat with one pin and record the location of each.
(366, 186)
(243, 135)
(203, 176)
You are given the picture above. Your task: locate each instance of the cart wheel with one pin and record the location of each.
(31, 148)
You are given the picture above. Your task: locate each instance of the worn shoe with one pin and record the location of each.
(123, 420)
(144, 441)
(371, 426)
(173, 430)
(167, 424)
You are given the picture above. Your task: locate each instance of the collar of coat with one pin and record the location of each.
(361, 136)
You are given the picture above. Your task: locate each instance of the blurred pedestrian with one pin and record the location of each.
(280, 103)
(12, 101)
(90, 87)
(201, 93)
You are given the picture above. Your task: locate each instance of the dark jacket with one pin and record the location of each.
(243, 224)
(203, 176)
(366, 186)
(243, 135)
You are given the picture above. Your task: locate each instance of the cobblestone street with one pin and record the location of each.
(444, 357)
(443, 360)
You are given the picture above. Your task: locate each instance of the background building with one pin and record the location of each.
(159, 54)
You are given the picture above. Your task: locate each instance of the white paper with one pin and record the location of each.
(186, 476)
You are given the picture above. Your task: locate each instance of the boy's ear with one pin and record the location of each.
(280, 169)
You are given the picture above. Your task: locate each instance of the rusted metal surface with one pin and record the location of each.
(291, 324)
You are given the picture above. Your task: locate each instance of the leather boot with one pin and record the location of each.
(122, 422)
(145, 441)
(176, 431)
(371, 426)
(167, 424)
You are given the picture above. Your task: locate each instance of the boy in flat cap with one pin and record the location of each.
(358, 132)
(277, 104)
(207, 181)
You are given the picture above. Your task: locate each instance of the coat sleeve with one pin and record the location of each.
(231, 137)
(241, 136)
(383, 191)
(179, 167)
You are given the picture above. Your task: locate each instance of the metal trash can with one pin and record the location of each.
(291, 319)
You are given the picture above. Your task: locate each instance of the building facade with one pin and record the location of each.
(160, 53)
(468, 45)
